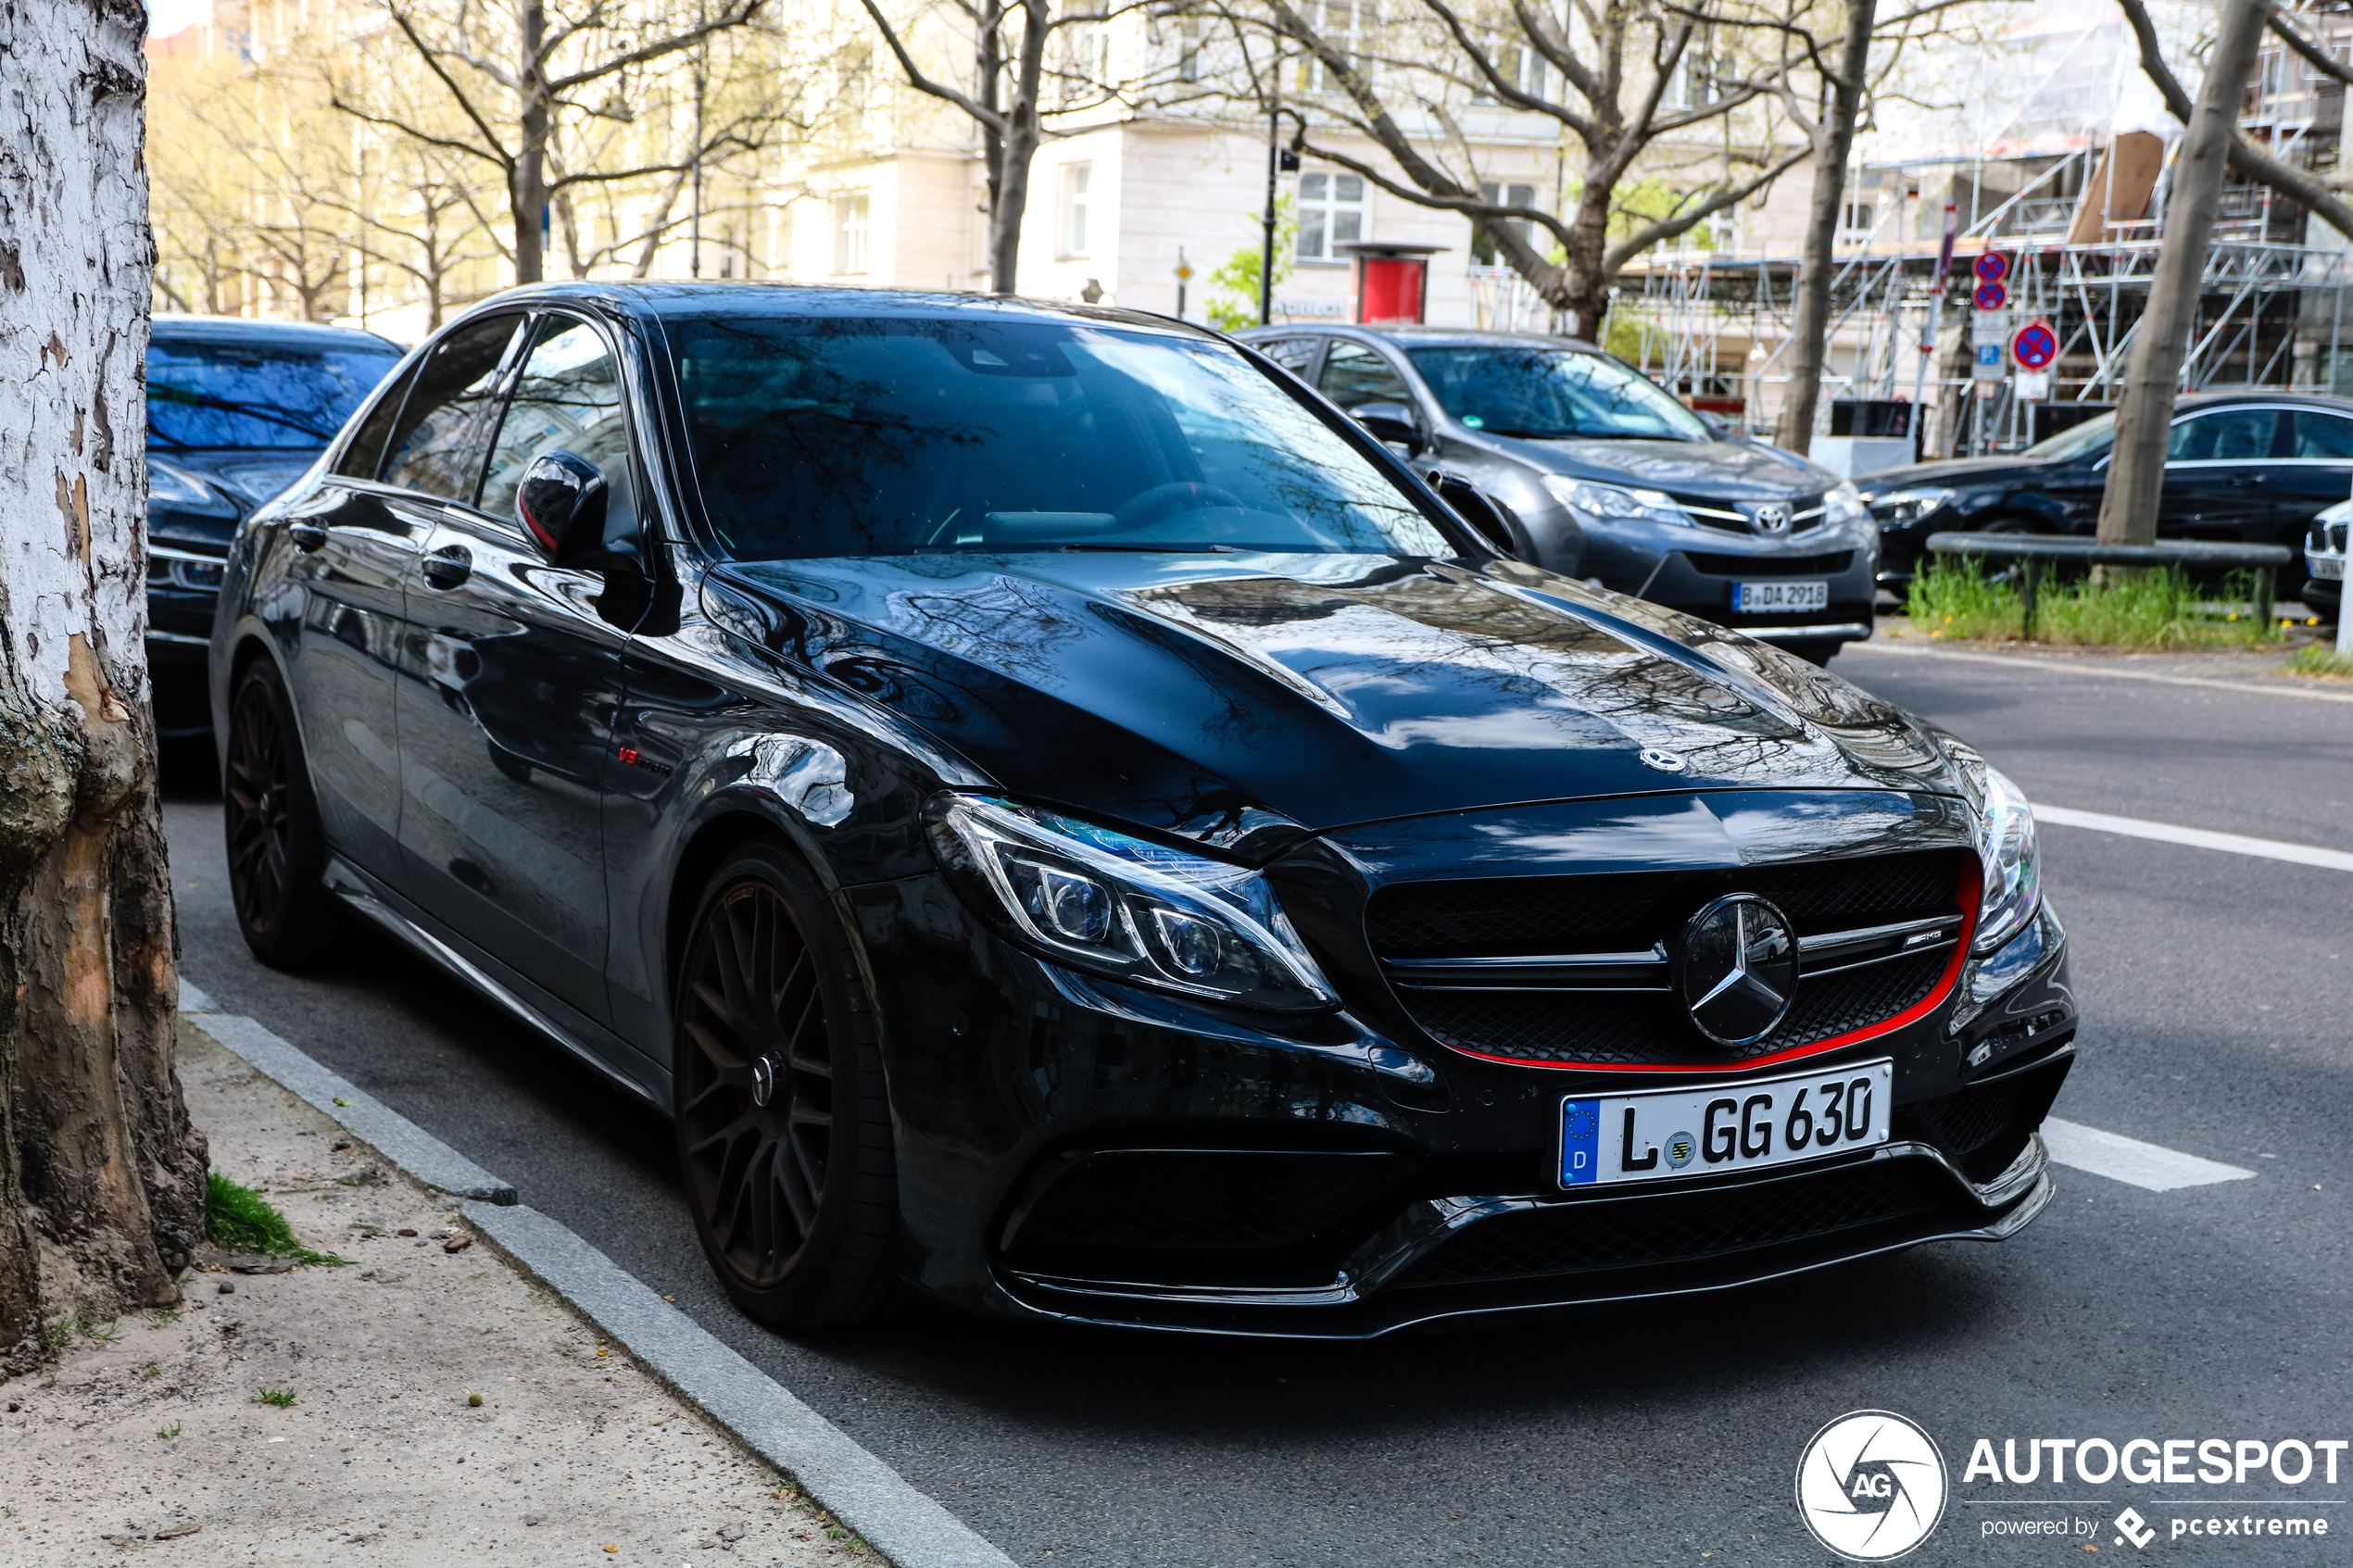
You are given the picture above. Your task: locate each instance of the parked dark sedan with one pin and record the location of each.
(1068, 824)
(2255, 467)
(1607, 476)
(236, 409)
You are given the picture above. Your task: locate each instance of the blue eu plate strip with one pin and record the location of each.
(1580, 1142)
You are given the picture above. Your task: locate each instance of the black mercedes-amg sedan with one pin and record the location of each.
(2241, 467)
(1068, 824)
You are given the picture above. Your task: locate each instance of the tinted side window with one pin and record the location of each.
(366, 453)
(1296, 354)
(2322, 435)
(568, 398)
(437, 445)
(1354, 375)
(2227, 435)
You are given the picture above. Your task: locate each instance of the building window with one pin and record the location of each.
(1857, 222)
(1346, 25)
(1189, 36)
(1482, 248)
(852, 221)
(1076, 177)
(1331, 214)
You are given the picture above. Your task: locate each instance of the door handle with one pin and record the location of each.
(308, 536)
(2246, 479)
(450, 568)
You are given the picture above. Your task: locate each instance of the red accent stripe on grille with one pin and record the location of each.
(1971, 887)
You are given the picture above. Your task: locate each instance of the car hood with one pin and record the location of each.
(1958, 473)
(1734, 470)
(1217, 696)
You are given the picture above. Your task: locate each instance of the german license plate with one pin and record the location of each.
(2326, 566)
(1718, 1128)
(1781, 598)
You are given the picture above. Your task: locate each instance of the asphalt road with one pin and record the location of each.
(2214, 990)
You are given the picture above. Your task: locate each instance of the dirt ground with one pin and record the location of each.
(153, 1437)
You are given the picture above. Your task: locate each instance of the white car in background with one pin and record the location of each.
(2325, 560)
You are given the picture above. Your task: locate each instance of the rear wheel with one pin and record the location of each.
(782, 1121)
(277, 848)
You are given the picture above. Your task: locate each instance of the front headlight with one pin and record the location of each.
(1901, 508)
(1844, 504)
(1123, 907)
(1615, 501)
(2013, 869)
(180, 490)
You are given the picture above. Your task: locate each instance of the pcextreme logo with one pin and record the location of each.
(1872, 1486)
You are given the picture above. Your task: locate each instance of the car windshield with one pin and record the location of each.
(2093, 434)
(814, 437)
(249, 392)
(1542, 394)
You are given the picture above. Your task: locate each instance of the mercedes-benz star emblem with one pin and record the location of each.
(1771, 518)
(763, 1081)
(1663, 762)
(1738, 968)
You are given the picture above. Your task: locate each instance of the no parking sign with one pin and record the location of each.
(2034, 346)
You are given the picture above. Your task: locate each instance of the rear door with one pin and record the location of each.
(507, 714)
(2218, 475)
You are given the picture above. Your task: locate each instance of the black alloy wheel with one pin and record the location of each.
(277, 848)
(783, 1122)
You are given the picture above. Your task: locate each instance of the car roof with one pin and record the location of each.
(1423, 337)
(168, 327)
(2264, 395)
(739, 297)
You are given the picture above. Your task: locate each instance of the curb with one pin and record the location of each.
(908, 1528)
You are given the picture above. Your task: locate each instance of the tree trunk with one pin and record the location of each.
(1010, 201)
(2153, 374)
(101, 1178)
(527, 186)
(1809, 333)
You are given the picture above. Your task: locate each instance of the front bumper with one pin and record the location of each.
(1698, 570)
(179, 642)
(1081, 1150)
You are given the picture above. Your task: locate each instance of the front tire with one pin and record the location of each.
(782, 1121)
(277, 846)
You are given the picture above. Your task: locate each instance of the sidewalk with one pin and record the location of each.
(2265, 669)
(150, 1436)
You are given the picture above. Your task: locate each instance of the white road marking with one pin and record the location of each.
(2084, 667)
(2130, 1160)
(2197, 838)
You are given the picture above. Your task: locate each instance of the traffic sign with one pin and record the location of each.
(1991, 296)
(2034, 346)
(1988, 367)
(1992, 267)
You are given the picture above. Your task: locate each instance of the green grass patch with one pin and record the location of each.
(168, 1432)
(282, 1397)
(2322, 662)
(1952, 596)
(240, 1220)
(78, 1324)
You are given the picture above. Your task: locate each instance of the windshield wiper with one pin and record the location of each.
(1162, 549)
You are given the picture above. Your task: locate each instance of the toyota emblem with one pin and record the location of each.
(1771, 518)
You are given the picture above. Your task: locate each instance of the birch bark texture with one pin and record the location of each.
(101, 1175)
(2153, 374)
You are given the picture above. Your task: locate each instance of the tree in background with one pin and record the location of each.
(1235, 305)
(101, 1176)
(1831, 133)
(524, 84)
(1621, 82)
(2153, 374)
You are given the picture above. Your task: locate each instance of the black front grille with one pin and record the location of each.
(1584, 1238)
(1829, 565)
(1644, 912)
(1626, 911)
(1619, 1030)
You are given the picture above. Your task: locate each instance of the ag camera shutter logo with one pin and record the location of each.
(1872, 1486)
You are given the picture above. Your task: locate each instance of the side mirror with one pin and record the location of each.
(561, 503)
(1391, 422)
(1715, 427)
(1487, 517)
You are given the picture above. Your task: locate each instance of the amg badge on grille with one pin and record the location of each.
(1737, 968)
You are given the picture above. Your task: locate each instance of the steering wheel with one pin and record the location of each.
(1167, 501)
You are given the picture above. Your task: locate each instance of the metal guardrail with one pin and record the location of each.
(2033, 549)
